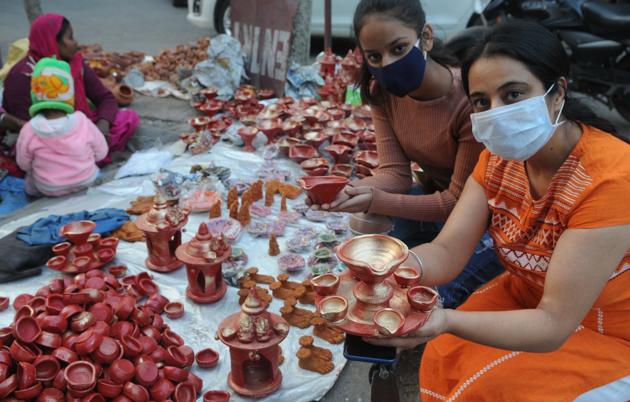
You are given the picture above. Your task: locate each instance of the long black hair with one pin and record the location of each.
(410, 14)
(65, 25)
(542, 54)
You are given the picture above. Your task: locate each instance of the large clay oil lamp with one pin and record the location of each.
(162, 227)
(301, 152)
(368, 159)
(315, 138)
(315, 166)
(203, 256)
(270, 128)
(253, 336)
(322, 189)
(248, 134)
(340, 153)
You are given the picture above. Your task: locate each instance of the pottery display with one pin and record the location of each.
(339, 152)
(301, 152)
(203, 256)
(80, 254)
(322, 189)
(365, 300)
(162, 227)
(253, 336)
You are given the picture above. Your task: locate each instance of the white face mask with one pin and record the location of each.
(517, 131)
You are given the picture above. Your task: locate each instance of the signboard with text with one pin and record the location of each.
(263, 27)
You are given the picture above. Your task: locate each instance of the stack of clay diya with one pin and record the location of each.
(203, 256)
(162, 228)
(375, 297)
(365, 162)
(83, 251)
(253, 336)
(88, 338)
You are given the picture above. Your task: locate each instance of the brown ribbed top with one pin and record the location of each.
(435, 134)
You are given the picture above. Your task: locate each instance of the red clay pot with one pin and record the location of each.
(322, 189)
(135, 392)
(174, 310)
(146, 373)
(27, 330)
(216, 396)
(207, 358)
(121, 371)
(80, 376)
(108, 388)
(25, 375)
(65, 355)
(51, 395)
(185, 392)
(46, 368)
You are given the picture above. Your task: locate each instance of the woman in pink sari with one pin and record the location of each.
(51, 35)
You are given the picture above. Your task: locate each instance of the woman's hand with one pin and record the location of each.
(350, 199)
(436, 325)
(103, 126)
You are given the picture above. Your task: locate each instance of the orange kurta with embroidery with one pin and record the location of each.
(590, 190)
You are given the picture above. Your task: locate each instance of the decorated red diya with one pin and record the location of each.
(322, 189)
(162, 227)
(422, 298)
(84, 252)
(248, 134)
(340, 153)
(209, 93)
(315, 138)
(199, 123)
(377, 305)
(211, 107)
(346, 138)
(253, 336)
(270, 128)
(368, 159)
(203, 256)
(341, 169)
(301, 152)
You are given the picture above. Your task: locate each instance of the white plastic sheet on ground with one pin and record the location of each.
(199, 324)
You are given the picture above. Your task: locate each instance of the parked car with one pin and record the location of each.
(447, 16)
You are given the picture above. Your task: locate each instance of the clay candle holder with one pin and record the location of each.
(422, 298)
(27, 330)
(207, 358)
(61, 248)
(325, 284)
(333, 308)
(174, 310)
(406, 276)
(253, 336)
(248, 134)
(203, 256)
(270, 128)
(339, 152)
(80, 376)
(162, 227)
(211, 107)
(322, 189)
(301, 152)
(372, 258)
(389, 322)
(216, 396)
(346, 138)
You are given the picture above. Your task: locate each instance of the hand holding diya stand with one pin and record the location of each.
(372, 298)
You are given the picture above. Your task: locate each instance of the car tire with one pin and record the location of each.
(180, 3)
(221, 13)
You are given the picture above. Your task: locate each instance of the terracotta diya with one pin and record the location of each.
(346, 138)
(301, 152)
(315, 138)
(248, 134)
(370, 290)
(341, 169)
(199, 123)
(368, 159)
(207, 358)
(203, 256)
(422, 298)
(253, 336)
(315, 166)
(340, 153)
(211, 107)
(322, 189)
(270, 128)
(209, 93)
(162, 227)
(216, 396)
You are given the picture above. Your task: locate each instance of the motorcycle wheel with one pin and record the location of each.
(622, 105)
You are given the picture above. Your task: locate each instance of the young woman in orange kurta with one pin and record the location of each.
(552, 190)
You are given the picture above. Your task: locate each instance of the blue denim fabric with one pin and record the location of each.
(482, 266)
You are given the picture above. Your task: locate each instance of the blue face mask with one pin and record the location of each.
(402, 76)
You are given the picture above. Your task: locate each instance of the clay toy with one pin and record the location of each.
(274, 248)
(140, 205)
(129, 232)
(295, 316)
(253, 275)
(234, 210)
(215, 211)
(314, 358)
(322, 329)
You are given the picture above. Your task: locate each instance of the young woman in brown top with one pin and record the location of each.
(421, 114)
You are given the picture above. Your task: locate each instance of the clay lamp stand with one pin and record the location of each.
(315, 166)
(253, 336)
(162, 227)
(322, 189)
(211, 107)
(203, 256)
(84, 251)
(209, 93)
(248, 134)
(301, 152)
(339, 152)
(367, 300)
(327, 64)
(270, 128)
(199, 123)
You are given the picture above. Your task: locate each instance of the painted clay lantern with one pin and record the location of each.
(327, 64)
(203, 256)
(162, 227)
(253, 336)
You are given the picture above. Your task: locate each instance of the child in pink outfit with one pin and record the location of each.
(58, 148)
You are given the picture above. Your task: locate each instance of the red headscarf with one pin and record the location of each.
(43, 43)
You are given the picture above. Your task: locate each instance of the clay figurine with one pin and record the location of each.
(322, 329)
(283, 204)
(314, 358)
(257, 191)
(129, 232)
(234, 210)
(298, 317)
(290, 191)
(280, 292)
(215, 210)
(274, 248)
(232, 196)
(263, 294)
(253, 275)
(243, 214)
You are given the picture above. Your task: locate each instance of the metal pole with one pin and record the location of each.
(327, 25)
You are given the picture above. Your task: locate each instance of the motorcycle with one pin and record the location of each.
(596, 35)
